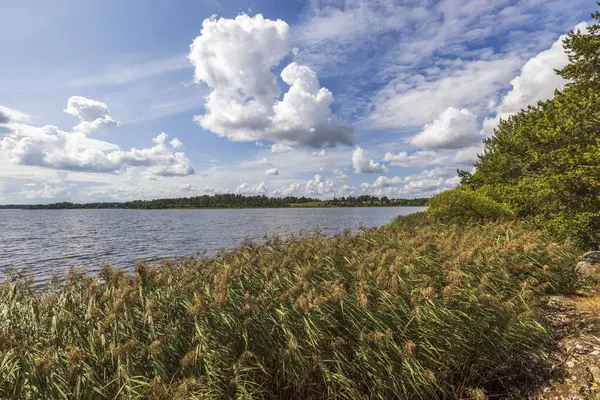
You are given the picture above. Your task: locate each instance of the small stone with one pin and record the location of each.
(570, 364)
(573, 378)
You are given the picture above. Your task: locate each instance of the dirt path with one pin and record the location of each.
(576, 362)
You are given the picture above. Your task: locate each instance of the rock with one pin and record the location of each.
(589, 265)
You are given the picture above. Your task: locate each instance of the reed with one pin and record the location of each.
(414, 310)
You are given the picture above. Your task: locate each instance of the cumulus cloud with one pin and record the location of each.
(536, 82)
(235, 58)
(320, 153)
(454, 129)
(362, 165)
(246, 188)
(51, 147)
(92, 114)
(289, 190)
(9, 115)
(272, 171)
(320, 187)
(281, 148)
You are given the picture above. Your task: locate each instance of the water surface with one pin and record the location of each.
(47, 243)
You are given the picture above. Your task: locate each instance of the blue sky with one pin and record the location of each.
(317, 98)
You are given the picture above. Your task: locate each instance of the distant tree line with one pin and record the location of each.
(14, 207)
(238, 201)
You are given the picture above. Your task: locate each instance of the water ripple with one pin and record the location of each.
(47, 243)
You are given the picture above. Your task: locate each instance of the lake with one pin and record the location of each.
(47, 243)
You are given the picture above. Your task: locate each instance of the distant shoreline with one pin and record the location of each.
(230, 201)
(202, 208)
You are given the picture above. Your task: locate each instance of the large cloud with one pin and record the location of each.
(92, 114)
(362, 165)
(50, 147)
(9, 115)
(235, 58)
(536, 82)
(454, 129)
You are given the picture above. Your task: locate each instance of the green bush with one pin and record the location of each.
(582, 229)
(464, 205)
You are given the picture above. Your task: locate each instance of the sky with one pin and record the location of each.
(141, 99)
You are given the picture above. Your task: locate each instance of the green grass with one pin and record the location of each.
(415, 310)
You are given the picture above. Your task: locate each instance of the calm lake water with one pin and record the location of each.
(47, 243)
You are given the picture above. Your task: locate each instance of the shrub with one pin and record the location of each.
(463, 205)
(582, 229)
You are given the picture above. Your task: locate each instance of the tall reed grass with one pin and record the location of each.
(414, 310)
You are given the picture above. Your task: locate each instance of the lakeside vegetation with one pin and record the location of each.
(417, 309)
(239, 201)
(436, 305)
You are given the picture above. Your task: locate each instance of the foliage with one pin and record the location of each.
(238, 201)
(545, 161)
(462, 204)
(415, 310)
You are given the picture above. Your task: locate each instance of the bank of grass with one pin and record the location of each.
(415, 310)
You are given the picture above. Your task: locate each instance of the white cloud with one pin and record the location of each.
(272, 171)
(536, 82)
(362, 165)
(176, 144)
(50, 147)
(92, 114)
(235, 58)
(339, 174)
(419, 99)
(422, 184)
(49, 190)
(246, 188)
(403, 159)
(186, 188)
(320, 187)
(8, 115)
(281, 148)
(454, 129)
(468, 156)
(289, 190)
(320, 153)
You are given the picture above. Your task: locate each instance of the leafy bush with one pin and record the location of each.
(416, 310)
(463, 205)
(582, 229)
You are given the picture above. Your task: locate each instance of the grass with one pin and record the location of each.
(414, 310)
